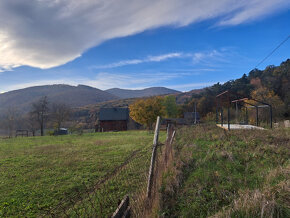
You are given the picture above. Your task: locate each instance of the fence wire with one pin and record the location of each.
(130, 178)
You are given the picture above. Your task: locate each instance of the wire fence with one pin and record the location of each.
(130, 179)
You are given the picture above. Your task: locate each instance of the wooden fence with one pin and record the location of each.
(102, 199)
(124, 209)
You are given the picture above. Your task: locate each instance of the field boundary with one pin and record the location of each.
(133, 179)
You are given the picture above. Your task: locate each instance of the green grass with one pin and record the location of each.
(231, 174)
(38, 173)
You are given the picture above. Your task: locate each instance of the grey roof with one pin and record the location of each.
(114, 114)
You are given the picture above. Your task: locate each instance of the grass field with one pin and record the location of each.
(242, 173)
(38, 173)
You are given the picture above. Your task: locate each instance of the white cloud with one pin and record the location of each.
(252, 10)
(140, 61)
(164, 57)
(106, 80)
(205, 57)
(209, 56)
(190, 86)
(48, 33)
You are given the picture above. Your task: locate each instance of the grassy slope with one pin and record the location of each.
(236, 174)
(36, 172)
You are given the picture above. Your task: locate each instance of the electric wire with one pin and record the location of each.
(272, 52)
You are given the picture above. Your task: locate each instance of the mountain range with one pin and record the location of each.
(74, 96)
(126, 93)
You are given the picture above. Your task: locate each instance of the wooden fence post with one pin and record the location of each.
(123, 209)
(156, 133)
(151, 169)
(172, 137)
(167, 132)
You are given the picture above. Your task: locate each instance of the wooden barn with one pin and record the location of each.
(113, 119)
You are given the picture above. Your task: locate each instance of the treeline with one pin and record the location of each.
(271, 85)
(43, 114)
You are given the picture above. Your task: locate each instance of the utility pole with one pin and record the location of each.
(194, 112)
(237, 113)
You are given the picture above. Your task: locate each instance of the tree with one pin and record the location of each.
(31, 123)
(60, 113)
(10, 120)
(171, 108)
(40, 112)
(205, 105)
(145, 111)
(268, 96)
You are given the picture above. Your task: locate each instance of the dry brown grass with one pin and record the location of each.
(257, 203)
(222, 173)
(264, 202)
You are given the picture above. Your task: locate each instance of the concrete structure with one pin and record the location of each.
(239, 126)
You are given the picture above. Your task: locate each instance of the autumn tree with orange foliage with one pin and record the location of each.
(268, 96)
(145, 111)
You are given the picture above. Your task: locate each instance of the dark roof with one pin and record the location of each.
(114, 114)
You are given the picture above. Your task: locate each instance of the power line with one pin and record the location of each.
(273, 51)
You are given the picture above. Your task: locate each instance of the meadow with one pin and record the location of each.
(214, 173)
(38, 174)
(241, 173)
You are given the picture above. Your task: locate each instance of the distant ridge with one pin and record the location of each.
(74, 96)
(153, 91)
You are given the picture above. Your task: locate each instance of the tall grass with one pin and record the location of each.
(242, 173)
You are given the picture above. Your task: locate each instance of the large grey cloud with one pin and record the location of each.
(48, 33)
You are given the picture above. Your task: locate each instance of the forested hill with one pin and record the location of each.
(152, 91)
(271, 85)
(74, 96)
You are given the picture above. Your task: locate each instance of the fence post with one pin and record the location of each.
(156, 133)
(151, 169)
(168, 131)
(123, 209)
(172, 137)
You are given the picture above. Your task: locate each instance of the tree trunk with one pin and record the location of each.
(41, 129)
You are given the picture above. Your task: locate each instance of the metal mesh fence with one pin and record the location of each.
(129, 178)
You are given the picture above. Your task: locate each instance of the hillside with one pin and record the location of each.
(153, 91)
(74, 96)
(181, 98)
(271, 85)
(228, 174)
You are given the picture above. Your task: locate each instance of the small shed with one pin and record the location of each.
(113, 119)
(61, 131)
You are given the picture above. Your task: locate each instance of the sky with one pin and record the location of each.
(135, 44)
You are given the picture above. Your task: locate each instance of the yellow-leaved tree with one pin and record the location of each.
(268, 96)
(145, 111)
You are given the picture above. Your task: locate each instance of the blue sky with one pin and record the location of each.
(184, 46)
